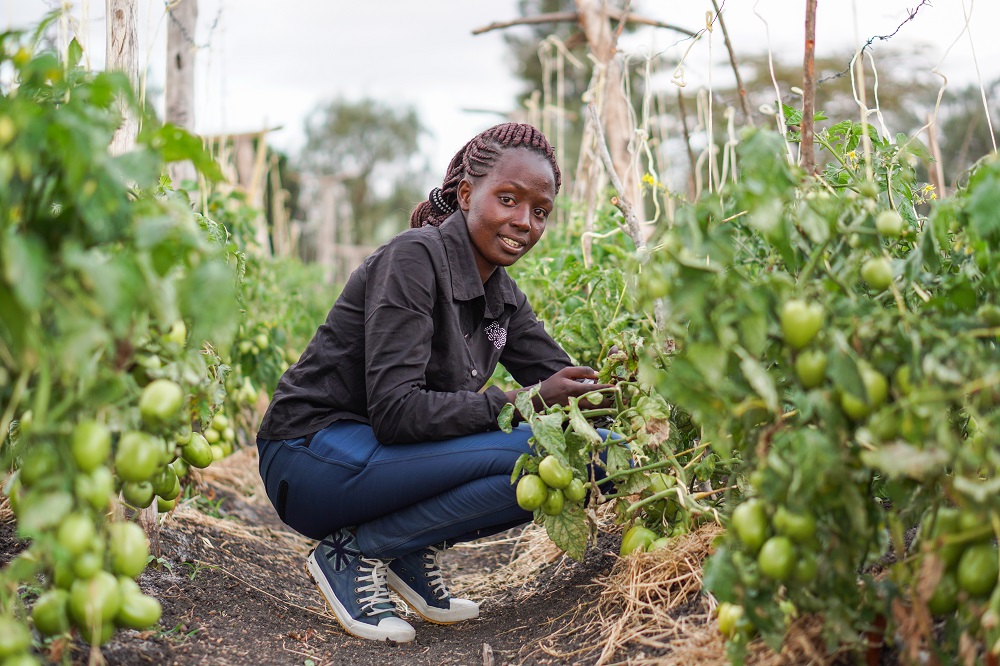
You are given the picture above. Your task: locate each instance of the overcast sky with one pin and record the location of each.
(270, 62)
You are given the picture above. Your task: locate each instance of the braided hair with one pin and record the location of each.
(475, 159)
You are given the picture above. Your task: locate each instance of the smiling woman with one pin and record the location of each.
(382, 440)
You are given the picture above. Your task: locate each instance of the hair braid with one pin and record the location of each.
(475, 160)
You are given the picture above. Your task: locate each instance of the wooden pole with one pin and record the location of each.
(807, 150)
(122, 56)
(182, 20)
(602, 42)
(122, 50)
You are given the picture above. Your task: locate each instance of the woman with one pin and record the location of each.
(381, 440)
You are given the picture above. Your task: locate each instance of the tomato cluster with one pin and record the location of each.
(550, 488)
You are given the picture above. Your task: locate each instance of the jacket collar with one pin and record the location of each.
(466, 284)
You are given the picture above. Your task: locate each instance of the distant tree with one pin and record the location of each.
(372, 148)
(965, 133)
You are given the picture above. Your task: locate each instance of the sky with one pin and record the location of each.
(269, 63)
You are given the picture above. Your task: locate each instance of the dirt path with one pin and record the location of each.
(235, 592)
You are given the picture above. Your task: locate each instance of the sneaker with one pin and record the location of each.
(354, 587)
(417, 579)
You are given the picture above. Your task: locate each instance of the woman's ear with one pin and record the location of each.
(464, 194)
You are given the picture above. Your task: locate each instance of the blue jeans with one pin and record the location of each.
(401, 497)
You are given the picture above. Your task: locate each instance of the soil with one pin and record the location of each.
(235, 591)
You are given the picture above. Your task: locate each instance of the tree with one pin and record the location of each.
(372, 148)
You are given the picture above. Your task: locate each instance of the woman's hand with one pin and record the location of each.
(565, 384)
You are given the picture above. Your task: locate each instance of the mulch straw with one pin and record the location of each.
(648, 603)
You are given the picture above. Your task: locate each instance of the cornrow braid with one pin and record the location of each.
(475, 159)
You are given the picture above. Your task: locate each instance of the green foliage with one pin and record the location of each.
(114, 297)
(884, 436)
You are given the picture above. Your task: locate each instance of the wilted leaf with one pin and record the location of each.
(506, 417)
(902, 459)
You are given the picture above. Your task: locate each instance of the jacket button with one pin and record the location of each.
(474, 373)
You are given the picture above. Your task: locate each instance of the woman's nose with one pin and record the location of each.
(522, 219)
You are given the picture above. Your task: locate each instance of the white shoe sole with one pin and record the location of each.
(430, 613)
(398, 630)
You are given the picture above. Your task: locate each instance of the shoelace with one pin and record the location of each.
(373, 571)
(434, 576)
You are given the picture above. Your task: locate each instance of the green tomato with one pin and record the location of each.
(877, 273)
(531, 492)
(806, 568)
(76, 533)
(889, 224)
(810, 367)
(91, 445)
(750, 523)
(138, 493)
(138, 611)
(777, 558)
(636, 538)
(660, 482)
(165, 481)
(978, 569)
(87, 564)
(161, 402)
(49, 613)
(14, 637)
(989, 314)
(220, 422)
(95, 488)
(868, 189)
(576, 491)
(212, 435)
(659, 543)
(554, 473)
(197, 452)
(177, 334)
(729, 617)
(94, 601)
(138, 456)
(262, 341)
(799, 527)
(128, 548)
(944, 599)
(165, 505)
(876, 388)
(800, 322)
(554, 502)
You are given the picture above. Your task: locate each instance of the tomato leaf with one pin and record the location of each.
(568, 530)
(548, 434)
(579, 424)
(523, 403)
(518, 466)
(506, 417)
(759, 379)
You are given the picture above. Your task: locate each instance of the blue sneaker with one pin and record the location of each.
(354, 587)
(417, 579)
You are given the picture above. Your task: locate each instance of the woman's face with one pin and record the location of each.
(506, 209)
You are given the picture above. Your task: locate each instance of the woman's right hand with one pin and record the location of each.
(563, 385)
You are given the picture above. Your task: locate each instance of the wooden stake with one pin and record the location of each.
(807, 151)
(122, 56)
(182, 19)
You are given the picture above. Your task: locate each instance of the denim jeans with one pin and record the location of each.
(401, 497)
